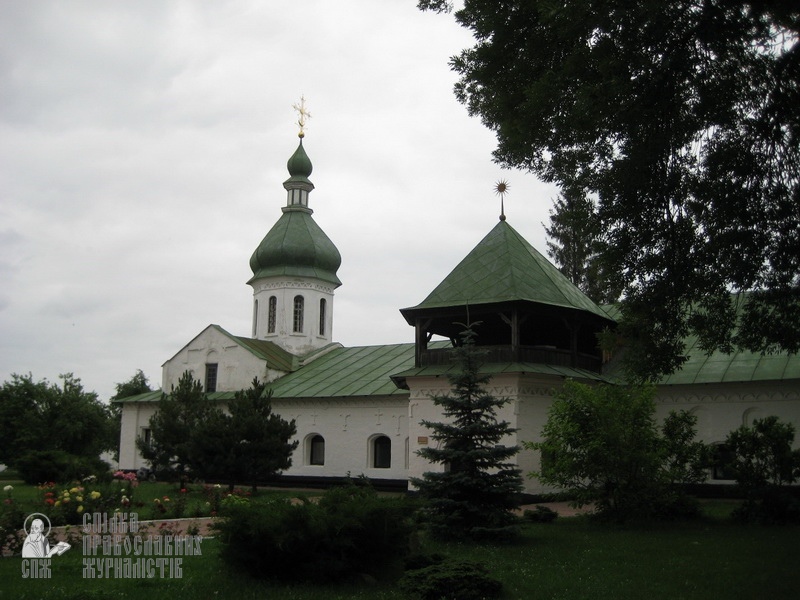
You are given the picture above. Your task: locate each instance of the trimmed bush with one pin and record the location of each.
(351, 531)
(451, 579)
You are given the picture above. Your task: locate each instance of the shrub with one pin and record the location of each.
(12, 518)
(764, 463)
(349, 532)
(451, 579)
(540, 514)
(604, 447)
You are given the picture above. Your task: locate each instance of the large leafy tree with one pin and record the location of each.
(573, 233)
(601, 444)
(682, 117)
(475, 493)
(52, 431)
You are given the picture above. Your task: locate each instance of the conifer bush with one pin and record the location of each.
(456, 579)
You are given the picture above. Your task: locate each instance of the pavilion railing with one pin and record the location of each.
(547, 355)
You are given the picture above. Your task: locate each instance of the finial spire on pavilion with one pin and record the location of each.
(501, 189)
(302, 116)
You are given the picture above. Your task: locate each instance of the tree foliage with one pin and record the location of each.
(61, 425)
(191, 434)
(574, 232)
(474, 495)
(682, 117)
(764, 462)
(350, 531)
(173, 426)
(136, 385)
(602, 445)
(249, 443)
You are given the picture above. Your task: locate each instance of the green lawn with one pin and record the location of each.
(572, 558)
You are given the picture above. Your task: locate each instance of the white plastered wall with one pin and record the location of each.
(721, 408)
(135, 418)
(237, 366)
(529, 399)
(348, 426)
(285, 290)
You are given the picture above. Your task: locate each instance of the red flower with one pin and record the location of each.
(49, 501)
(183, 490)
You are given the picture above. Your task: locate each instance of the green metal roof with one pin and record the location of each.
(504, 267)
(739, 366)
(299, 166)
(145, 397)
(296, 246)
(719, 367)
(277, 358)
(348, 372)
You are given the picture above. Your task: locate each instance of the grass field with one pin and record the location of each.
(571, 558)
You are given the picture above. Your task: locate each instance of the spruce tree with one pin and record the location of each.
(174, 426)
(476, 492)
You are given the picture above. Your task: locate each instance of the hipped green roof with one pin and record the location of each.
(504, 267)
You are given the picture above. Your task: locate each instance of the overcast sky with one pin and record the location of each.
(143, 147)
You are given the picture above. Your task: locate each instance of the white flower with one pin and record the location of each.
(8, 488)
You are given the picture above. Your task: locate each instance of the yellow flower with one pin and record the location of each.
(58, 503)
(73, 490)
(79, 498)
(65, 499)
(80, 508)
(94, 495)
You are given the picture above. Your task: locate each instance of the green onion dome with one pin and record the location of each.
(296, 246)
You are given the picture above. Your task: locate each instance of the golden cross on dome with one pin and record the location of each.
(302, 115)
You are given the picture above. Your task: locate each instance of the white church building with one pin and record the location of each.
(358, 410)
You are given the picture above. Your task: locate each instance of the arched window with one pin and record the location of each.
(272, 314)
(382, 452)
(322, 306)
(298, 314)
(255, 317)
(316, 450)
